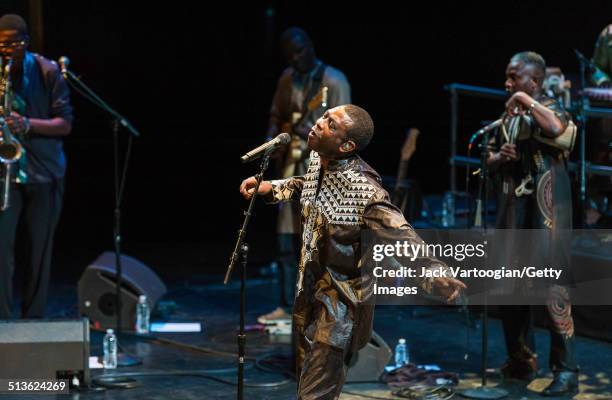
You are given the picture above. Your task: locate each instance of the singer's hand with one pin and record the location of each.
(518, 104)
(247, 188)
(449, 287)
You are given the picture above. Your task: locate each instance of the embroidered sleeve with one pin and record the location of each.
(557, 108)
(285, 190)
(389, 226)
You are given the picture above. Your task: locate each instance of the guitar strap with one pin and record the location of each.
(297, 148)
(313, 89)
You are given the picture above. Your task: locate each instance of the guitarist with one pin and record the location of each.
(305, 89)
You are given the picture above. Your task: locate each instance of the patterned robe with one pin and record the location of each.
(334, 306)
(550, 204)
(545, 203)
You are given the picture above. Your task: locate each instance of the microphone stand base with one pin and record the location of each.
(484, 392)
(125, 360)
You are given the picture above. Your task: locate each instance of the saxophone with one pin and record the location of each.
(10, 148)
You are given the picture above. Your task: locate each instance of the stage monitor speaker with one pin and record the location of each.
(369, 363)
(45, 349)
(98, 289)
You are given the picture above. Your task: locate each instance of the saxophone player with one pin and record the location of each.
(41, 116)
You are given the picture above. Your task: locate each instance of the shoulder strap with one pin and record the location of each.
(315, 86)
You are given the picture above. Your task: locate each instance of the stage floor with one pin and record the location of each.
(180, 366)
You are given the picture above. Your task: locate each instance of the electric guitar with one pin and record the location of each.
(298, 146)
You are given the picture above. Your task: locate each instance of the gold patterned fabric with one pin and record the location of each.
(337, 204)
(541, 169)
(546, 206)
(334, 305)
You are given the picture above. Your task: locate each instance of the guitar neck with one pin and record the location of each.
(402, 172)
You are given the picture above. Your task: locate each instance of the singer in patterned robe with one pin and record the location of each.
(340, 196)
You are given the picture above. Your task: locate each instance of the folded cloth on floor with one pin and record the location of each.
(410, 374)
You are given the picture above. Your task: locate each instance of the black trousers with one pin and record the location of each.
(518, 332)
(518, 319)
(35, 208)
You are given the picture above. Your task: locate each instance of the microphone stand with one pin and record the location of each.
(483, 391)
(241, 250)
(583, 102)
(467, 182)
(119, 184)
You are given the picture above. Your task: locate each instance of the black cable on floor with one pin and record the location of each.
(196, 374)
(260, 364)
(201, 349)
(254, 361)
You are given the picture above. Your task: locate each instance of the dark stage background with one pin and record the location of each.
(197, 80)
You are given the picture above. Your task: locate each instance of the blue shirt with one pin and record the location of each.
(43, 93)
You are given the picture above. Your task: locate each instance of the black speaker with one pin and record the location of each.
(41, 349)
(369, 363)
(98, 287)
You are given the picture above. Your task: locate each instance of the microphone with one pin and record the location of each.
(64, 62)
(484, 129)
(282, 139)
(585, 60)
(598, 75)
(491, 126)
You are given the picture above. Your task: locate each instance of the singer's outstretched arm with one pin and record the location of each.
(285, 190)
(247, 187)
(274, 191)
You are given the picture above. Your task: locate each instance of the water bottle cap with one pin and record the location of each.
(110, 331)
(142, 298)
(402, 341)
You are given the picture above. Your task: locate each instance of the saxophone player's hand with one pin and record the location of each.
(18, 124)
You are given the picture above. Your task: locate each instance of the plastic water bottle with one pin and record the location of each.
(142, 315)
(401, 353)
(448, 210)
(110, 349)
